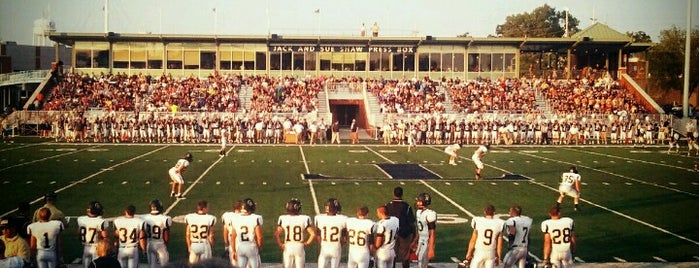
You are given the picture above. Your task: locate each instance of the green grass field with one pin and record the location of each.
(639, 204)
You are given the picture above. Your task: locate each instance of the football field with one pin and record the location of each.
(638, 204)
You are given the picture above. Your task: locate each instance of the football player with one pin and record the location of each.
(200, 233)
(45, 240)
(176, 175)
(293, 226)
(384, 238)
(477, 158)
(559, 239)
(360, 239)
(426, 224)
(228, 218)
(157, 228)
(485, 246)
(570, 185)
(246, 236)
(452, 150)
(332, 230)
(517, 229)
(91, 229)
(130, 235)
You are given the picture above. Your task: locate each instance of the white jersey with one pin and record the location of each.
(181, 163)
(199, 226)
(568, 179)
(89, 229)
(244, 226)
(388, 228)
(228, 218)
(155, 225)
(451, 149)
(488, 231)
(46, 234)
(331, 228)
(425, 218)
(128, 231)
(481, 150)
(523, 225)
(294, 227)
(560, 231)
(358, 231)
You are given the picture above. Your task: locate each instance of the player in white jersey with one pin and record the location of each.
(293, 226)
(222, 152)
(200, 233)
(45, 240)
(517, 228)
(477, 158)
(157, 228)
(360, 239)
(559, 239)
(452, 150)
(92, 228)
(485, 246)
(246, 236)
(228, 218)
(130, 235)
(426, 224)
(176, 175)
(570, 185)
(385, 231)
(332, 228)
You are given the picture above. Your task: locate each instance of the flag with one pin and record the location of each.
(214, 10)
(317, 11)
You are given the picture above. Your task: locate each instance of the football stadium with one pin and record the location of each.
(328, 124)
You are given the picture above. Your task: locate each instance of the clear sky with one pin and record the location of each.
(446, 18)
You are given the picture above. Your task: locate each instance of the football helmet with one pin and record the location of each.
(333, 206)
(249, 205)
(188, 157)
(293, 206)
(574, 169)
(95, 208)
(425, 198)
(155, 205)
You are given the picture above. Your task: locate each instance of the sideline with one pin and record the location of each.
(88, 177)
(310, 182)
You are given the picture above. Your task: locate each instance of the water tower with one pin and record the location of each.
(42, 28)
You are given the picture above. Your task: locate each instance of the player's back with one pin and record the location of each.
(90, 228)
(155, 225)
(488, 231)
(181, 163)
(523, 225)
(388, 228)
(560, 231)
(46, 233)
(128, 230)
(358, 231)
(331, 227)
(294, 227)
(244, 226)
(199, 226)
(569, 178)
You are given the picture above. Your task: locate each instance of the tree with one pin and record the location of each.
(666, 59)
(639, 36)
(543, 21)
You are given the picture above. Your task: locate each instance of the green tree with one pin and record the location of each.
(666, 59)
(639, 36)
(543, 21)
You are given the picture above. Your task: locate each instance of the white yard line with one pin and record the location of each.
(310, 182)
(384, 158)
(20, 147)
(177, 201)
(629, 159)
(89, 177)
(449, 199)
(47, 158)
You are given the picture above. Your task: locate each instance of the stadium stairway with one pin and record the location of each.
(244, 96)
(323, 102)
(541, 104)
(448, 104)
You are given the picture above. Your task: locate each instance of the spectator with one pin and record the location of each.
(14, 244)
(50, 200)
(375, 30)
(106, 256)
(9, 262)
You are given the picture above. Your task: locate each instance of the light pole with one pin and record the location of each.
(566, 31)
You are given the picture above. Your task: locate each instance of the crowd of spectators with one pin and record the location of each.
(407, 95)
(602, 95)
(285, 95)
(485, 95)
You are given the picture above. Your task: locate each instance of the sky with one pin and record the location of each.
(438, 18)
